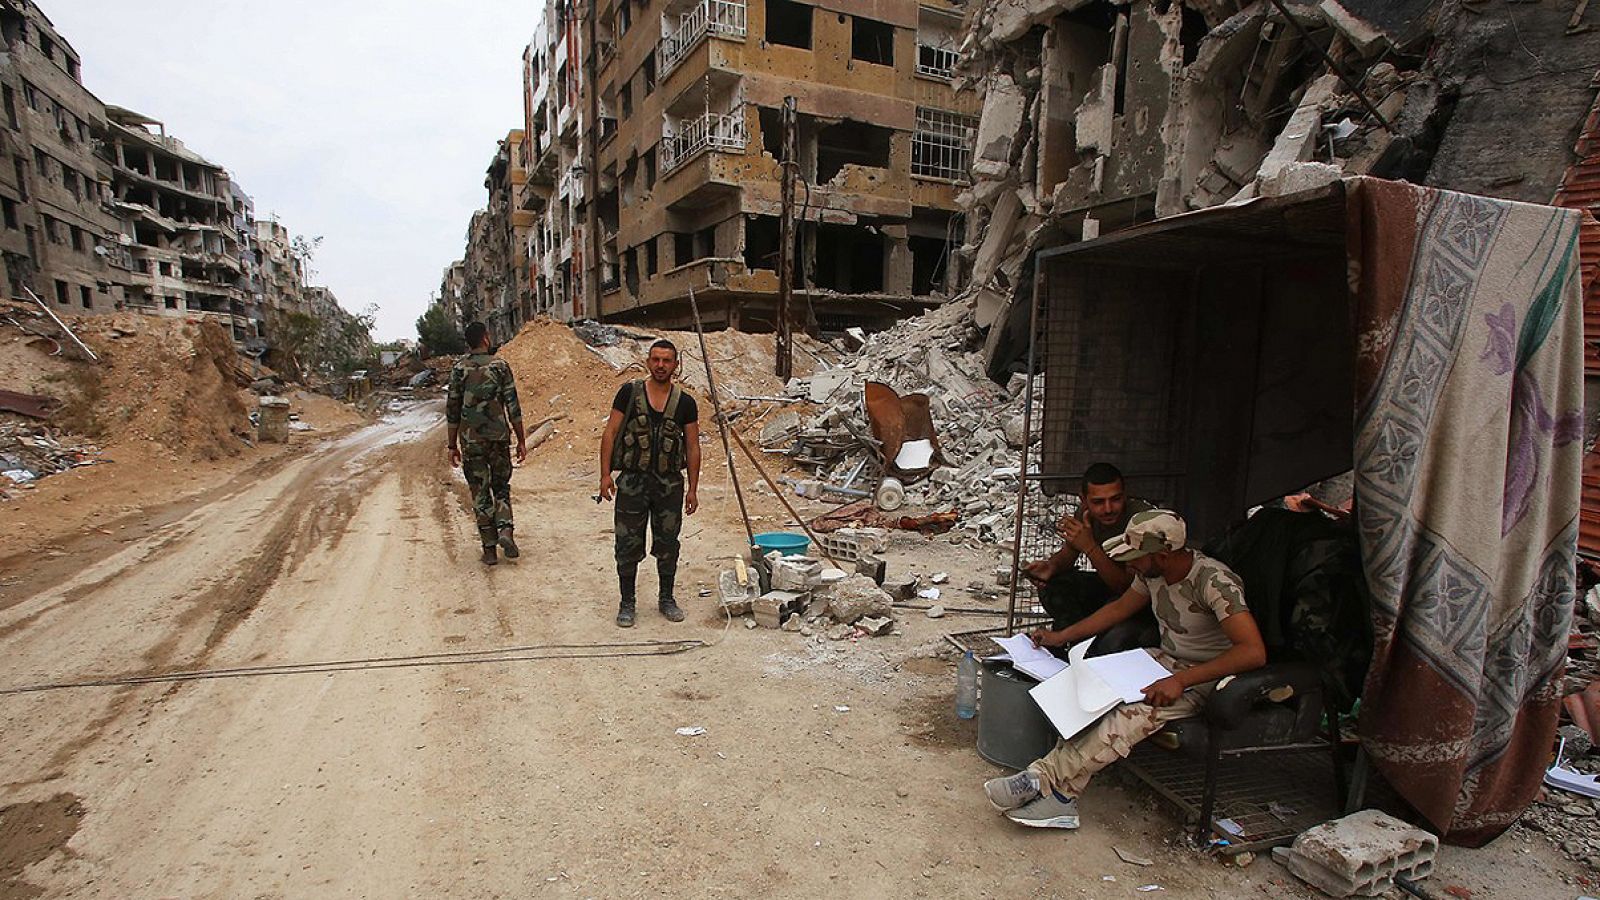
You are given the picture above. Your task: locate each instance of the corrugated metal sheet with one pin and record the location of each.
(1581, 190)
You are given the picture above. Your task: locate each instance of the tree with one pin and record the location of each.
(438, 334)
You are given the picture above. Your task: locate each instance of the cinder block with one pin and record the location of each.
(771, 608)
(1360, 854)
(850, 544)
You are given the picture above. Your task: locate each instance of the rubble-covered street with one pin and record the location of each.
(1118, 448)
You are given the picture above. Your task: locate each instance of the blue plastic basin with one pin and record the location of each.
(782, 541)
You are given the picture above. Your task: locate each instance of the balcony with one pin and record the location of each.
(723, 18)
(724, 134)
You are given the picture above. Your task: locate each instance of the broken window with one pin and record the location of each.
(69, 180)
(9, 208)
(627, 100)
(624, 19)
(11, 107)
(86, 296)
(74, 70)
(650, 169)
(872, 41)
(851, 143)
(936, 62)
(47, 47)
(22, 181)
(40, 165)
(771, 130)
(77, 238)
(929, 259)
(789, 24)
(941, 145)
(630, 270)
(650, 72)
(761, 242)
(651, 261)
(849, 259)
(61, 292)
(683, 249)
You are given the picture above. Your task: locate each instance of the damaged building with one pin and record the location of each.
(58, 239)
(677, 183)
(177, 215)
(1099, 115)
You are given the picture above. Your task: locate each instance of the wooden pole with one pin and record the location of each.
(722, 423)
(785, 327)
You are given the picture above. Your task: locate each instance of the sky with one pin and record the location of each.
(368, 123)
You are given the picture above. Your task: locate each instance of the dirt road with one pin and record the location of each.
(554, 777)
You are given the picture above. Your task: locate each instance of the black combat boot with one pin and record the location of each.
(625, 611)
(508, 544)
(668, 605)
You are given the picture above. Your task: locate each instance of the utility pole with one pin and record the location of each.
(785, 338)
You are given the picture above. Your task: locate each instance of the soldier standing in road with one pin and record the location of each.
(651, 438)
(482, 401)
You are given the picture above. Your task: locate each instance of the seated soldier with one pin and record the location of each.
(1207, 633)
(1068, 593)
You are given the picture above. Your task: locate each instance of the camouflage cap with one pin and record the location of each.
(1148, 532)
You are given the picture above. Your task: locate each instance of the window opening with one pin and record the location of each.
(851, 143)
(872, 41)
(789, 24)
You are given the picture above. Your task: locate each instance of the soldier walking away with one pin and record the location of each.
(483, 413)
(651, 438)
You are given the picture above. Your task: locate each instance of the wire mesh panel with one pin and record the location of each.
(1110, 347)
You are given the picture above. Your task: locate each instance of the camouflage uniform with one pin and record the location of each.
(1190, 614)
(649, 463)
(483, 403)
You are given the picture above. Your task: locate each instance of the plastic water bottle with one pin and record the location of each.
(967, 686)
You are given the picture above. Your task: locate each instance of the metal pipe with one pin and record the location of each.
(722, 424)
(1337, 70)
(57, 319)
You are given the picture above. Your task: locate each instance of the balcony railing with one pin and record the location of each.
(725, 134)
(719, 17)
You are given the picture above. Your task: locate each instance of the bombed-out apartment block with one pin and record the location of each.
(650, 163)
(177, 212)
(1101, 114)
(57, 240)
(690, 143)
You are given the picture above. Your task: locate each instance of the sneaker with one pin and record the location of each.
(508, 545)
(625, 617)
(1012, 791)
(669, 608)
(1049, 811)
(489, 556)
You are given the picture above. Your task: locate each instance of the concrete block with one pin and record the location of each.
(772, 607)
(873, 567)
(795, 573)
(1360, 854)
(274, 420)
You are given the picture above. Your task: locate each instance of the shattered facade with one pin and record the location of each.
(1099, 115)
(178, 223)
(59, 239)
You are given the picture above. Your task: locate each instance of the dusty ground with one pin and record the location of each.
(553, 777)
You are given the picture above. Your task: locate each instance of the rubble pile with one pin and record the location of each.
(810, 597)
(979, 424)
(33, 450)
(1099, 114)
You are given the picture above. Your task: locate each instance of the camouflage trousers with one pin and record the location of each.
(654, 500)
(488, 470)
(1069, 767)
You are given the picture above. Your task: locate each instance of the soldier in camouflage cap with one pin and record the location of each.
(483, 412)
(1207, 633)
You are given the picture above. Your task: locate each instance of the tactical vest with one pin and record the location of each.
(632, 451)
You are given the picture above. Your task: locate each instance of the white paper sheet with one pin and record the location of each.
(1058, 699)
(914, 455)
(1127, 674)
(1035, 662)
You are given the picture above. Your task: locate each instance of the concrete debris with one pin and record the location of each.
(855, 597)
(1360, 854)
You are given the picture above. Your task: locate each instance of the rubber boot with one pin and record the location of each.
(627, 581)
(668, 605)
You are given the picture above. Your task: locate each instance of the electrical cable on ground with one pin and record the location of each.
(526, 653)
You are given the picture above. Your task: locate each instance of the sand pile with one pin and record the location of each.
(558, 374)
(168, 381)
